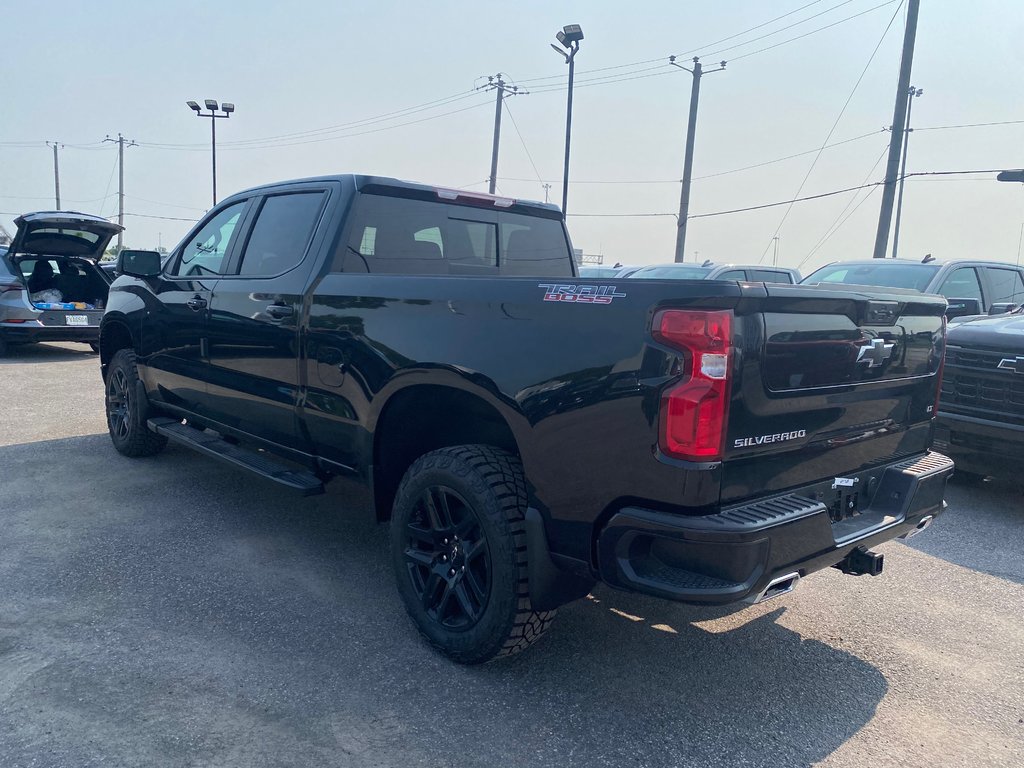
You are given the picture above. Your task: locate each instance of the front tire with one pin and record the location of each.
(125, 414)
(458, 545)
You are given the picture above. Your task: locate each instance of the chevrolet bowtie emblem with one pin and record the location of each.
(1015, 364)
(875, 352)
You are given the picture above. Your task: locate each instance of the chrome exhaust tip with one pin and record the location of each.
(921, 526)
(777, 587)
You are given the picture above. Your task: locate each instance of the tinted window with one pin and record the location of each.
(598, 271)
(204, 253)
(671, 273)
(282, 233)
(962, 283)
(732, 274)
(886, 275)
(417, 237)
(1007, 284)
(771, 276)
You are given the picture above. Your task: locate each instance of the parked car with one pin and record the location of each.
(525, 432)
(981, 410)
(51, 288)
(710, 271)
(618, 270)
(972, 287)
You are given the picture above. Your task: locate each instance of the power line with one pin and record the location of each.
(835, 124)
(523, 142)
(832, 228)
(813, 31)
(768, 34)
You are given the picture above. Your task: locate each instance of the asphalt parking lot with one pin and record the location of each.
(173, 611)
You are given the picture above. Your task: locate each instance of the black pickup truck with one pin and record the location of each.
(528, 432)
(981, 410)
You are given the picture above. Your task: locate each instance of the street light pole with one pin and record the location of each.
(227, 108)
(911, 95)
(569, 37)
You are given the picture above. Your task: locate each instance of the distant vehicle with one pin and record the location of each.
(981, 407)
(971, 287)
(618, 271)
(711, 271)
(50, 286)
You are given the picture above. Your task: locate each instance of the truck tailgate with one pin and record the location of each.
(828, 384)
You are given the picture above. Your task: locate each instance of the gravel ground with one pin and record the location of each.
(173, 611)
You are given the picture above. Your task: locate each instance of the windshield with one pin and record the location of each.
(887, 275)
(671, 273)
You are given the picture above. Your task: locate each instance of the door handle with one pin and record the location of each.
(278, 311)
(196, 303)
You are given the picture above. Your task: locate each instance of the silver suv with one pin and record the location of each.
(51, 288)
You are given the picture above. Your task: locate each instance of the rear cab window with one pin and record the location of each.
(398, 235)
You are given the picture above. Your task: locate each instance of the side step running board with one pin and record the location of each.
(262, 464)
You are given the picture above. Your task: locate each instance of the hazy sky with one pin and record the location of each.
(75, 72)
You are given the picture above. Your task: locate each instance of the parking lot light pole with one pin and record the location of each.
(569, 37)
(227, 108)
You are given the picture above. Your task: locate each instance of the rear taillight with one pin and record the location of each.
(694, 412)
(940, 371)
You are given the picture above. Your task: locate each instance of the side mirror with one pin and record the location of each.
(139, 263)
(962, 307)
(1002, 307)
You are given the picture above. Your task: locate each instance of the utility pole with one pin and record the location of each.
(120, 184)
(775, 255)
(56, 171)
(547, 189)
(500, 88)
(911, 95)
(691, 128)
(899, 118)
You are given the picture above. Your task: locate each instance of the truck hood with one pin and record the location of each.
(1003, 332)
(62, 233)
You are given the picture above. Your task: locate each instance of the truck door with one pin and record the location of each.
(255, 315)
(174, 333)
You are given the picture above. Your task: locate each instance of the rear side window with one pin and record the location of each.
(1007, 284)
(733, 274)
(394, 235)
(962, 283)
(281, 234)
(771, 276)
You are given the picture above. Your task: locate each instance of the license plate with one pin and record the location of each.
(76, 319)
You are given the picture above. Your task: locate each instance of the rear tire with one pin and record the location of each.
(125, 414)
(458, 547)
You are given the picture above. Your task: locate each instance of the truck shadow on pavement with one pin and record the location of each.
(173, 611)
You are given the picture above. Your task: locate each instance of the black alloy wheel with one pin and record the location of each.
(447, 558)
(459, 553)
(126, 415)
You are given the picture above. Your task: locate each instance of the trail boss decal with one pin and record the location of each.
(778, 437)
(580, 294)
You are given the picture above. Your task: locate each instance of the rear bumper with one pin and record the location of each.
(736, 554)
(982, 446)
(24, 333)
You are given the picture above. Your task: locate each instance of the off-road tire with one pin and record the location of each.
(493, 487)
(126, 420)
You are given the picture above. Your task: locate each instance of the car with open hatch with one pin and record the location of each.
(51, 287)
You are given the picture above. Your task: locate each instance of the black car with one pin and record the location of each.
(981, 410)
(528, 432)
(971, 287)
